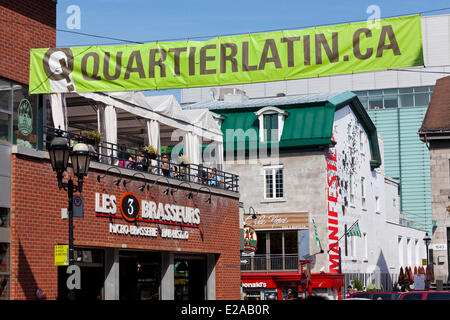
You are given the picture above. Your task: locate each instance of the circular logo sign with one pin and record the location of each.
(250, 239)
(129, 206)
(77, 201)
(25, 117)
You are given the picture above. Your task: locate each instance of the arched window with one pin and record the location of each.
(271, 121)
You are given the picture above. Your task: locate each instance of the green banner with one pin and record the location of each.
(283, 55)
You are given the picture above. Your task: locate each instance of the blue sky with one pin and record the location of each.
(148, 21)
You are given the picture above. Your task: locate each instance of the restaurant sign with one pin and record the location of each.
(251, 58)
(134, 210)
(250, 241)
(285, 220)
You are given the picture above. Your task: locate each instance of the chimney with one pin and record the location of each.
(233, 95)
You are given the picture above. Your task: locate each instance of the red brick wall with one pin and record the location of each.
(24, 24)
(37, 228)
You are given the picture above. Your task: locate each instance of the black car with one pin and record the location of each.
(376, 295)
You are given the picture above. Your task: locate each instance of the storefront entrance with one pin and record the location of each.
(139, 275)
(91, 263)
(190, 279)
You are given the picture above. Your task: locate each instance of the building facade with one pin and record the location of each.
(172, 251)
(25, 24)
(304, 187)
(396, 101)
(434, 133)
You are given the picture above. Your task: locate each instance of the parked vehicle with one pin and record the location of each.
(425, 295)
(376, 295)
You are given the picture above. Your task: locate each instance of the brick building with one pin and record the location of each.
(25, 24)
(116, 264)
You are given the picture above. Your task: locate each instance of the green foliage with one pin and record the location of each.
(166, 150)
(356, 283)
(94, 135)
(371, 287)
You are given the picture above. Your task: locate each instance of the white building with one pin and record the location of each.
(306, 182)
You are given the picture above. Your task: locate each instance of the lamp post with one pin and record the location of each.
(252, 212)
(59, 152)
(427, 240)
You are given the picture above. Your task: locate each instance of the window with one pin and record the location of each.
(363, 193)
(352, 191)
(4, 218)
(377, 204)
(412, 296)
(5, 127)
(365, 246)
(361, 140)
(271, 121)
(394, 98)
(353, 246)
(18, 114)
(4, 271)
(273, 180)
(417, 256)
(25, 117)
(408, 252)
(400, 251)
(270, 127)
(345, 241)
(5, 111)
(277, 250)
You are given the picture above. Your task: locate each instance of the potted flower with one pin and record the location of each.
(151, 152)
(184, 160)
(94, 137)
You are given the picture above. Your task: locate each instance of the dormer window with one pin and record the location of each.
(271, 121)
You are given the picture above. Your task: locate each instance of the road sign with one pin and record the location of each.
(244, 261)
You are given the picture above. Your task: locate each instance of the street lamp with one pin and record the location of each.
(254, 213)
(427, 240)
(59, 152)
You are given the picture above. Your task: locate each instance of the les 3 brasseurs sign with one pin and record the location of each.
(274, 56)
(134, 210)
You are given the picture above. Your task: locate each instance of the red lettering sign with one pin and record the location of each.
(332, 212)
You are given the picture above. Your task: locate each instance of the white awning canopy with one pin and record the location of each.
(138, 120)
(164, 109)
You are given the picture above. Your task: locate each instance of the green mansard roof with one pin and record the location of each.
(309, 123)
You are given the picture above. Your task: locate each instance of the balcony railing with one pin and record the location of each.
(270, 263)
(134, 159)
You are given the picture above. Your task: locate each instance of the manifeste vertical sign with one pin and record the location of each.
(273, 56)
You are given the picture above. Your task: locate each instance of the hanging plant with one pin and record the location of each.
(94, 136)
(151, 152)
